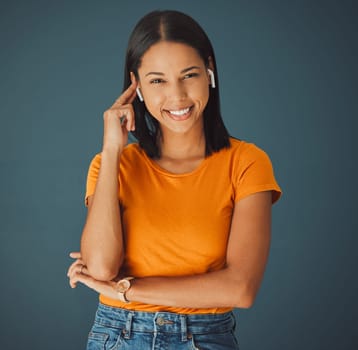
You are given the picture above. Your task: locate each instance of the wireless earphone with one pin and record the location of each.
(139, 94)
(212, 78)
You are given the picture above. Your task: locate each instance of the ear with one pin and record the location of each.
(210, 63)
(133, 78)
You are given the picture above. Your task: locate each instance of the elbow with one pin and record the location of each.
(246, 296)
(103, 270)
(102, 274)
(246, 302)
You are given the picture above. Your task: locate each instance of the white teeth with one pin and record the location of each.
(181, 111)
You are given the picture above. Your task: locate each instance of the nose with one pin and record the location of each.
(177, 91)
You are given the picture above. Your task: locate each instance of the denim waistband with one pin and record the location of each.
(164, 322)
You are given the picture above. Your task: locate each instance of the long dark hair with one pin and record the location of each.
(178, 27)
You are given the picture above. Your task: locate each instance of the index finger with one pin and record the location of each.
(127, 96)
(75, 255)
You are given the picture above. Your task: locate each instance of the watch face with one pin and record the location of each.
(123, 285)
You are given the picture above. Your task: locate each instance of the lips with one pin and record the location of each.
(179, 114)
(180, 111)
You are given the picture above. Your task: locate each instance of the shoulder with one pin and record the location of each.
(132, 156)
(243, 151)
(246, 153)
(129, 152)
(252, 170)
(132, 150)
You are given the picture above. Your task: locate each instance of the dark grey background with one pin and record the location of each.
(288, 74)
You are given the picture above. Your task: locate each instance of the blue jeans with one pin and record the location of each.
(119, 329)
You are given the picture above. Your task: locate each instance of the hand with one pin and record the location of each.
(119, 120)
(78, 272)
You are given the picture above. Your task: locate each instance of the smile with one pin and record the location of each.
(180, 114)
(181, 111)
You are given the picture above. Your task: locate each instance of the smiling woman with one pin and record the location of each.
(173, 29)
(178, 226)
(177, 89)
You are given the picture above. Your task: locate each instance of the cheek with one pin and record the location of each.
(203, 96)
(153, 103)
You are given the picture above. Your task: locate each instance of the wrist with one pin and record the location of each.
(112, 150)
(123, 288)
(131, 292)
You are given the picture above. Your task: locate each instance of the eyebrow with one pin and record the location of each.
(185, 70)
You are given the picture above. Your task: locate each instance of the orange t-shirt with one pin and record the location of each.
(178, 224)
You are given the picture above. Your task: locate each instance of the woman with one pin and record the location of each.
(178, 226)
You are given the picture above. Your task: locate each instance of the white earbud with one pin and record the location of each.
(139, 94)
(212, 78)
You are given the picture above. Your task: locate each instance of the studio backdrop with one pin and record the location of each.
(288, 79)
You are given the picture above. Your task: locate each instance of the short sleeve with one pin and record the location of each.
(92, 176)
(255, 174)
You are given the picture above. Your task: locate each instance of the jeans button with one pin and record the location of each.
(160, 321)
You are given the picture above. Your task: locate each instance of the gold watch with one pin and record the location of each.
(122, 287)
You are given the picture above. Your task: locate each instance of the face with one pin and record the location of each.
(175, 86)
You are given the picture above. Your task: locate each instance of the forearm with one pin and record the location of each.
(224, 288)
(102, 242)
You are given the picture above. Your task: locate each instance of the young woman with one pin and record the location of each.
(178, 226)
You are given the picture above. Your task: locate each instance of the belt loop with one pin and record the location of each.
(128, 329)
(183, 328)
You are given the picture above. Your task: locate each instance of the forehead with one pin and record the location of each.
(164, 54)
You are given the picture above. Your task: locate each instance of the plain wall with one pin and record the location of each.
(288, 75)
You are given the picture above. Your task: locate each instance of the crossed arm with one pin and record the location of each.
(236, 285)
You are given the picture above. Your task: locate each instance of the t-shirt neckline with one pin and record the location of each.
(165, 172)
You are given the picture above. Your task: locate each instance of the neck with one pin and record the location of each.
(176, 146)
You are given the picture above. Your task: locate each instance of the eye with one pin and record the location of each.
(190, 75)
(157, 81)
